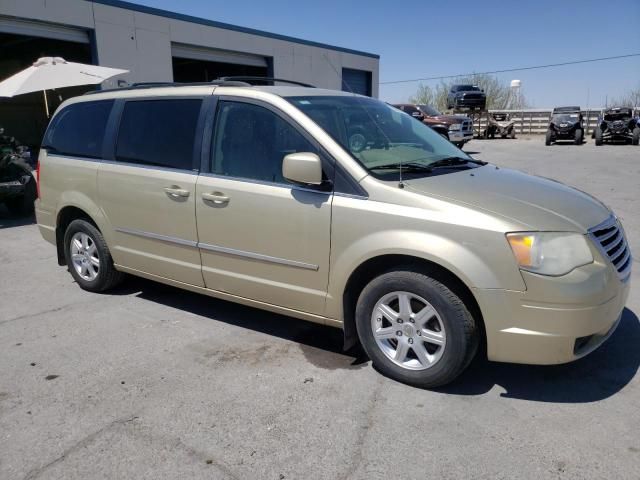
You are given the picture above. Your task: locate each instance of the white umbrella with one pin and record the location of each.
(54, 72)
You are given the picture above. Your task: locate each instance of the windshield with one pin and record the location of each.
(564, 118)
(377, 135)
(467, 88)
(429, 110)
(617, 115)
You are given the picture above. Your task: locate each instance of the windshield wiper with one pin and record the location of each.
(405, 166)
(455, 161)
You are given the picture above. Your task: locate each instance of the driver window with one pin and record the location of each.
(250, 142)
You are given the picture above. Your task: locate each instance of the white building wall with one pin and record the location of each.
(141, 42)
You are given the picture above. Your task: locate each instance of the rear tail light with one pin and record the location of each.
(38, 179)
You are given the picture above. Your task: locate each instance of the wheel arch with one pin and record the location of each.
(65, 216)
(375, 266)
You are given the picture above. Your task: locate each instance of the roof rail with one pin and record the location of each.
(143, 85)
(272, 80)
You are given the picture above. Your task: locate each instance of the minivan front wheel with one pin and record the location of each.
(415, 329)
(88, 257)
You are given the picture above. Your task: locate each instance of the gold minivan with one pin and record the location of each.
(332, 208)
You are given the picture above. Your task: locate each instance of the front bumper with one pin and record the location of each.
(460, 136)
(558, 319)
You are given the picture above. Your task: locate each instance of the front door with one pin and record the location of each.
(261, 237)
(147, 190)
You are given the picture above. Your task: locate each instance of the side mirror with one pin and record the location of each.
(416, 115)
(303, 168)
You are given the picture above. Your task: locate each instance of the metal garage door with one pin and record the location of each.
(356, 81)
(214, 55)
(43, 30)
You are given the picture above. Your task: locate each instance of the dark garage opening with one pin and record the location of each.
(23, 116)
(356, 81)
(189, 70)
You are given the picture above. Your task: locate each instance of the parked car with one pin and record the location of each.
(466, 97)
(333, 208)
(617, 124)
(17, 183)
(500, 124)
(458, 129)
(566, 124)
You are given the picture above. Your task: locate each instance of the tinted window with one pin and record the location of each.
(159, 132)
(250, 142)
(78, 130)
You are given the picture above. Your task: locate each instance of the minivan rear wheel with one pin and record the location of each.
(415, 329)
(88, 257)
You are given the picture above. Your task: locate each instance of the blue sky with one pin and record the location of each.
(428, 38)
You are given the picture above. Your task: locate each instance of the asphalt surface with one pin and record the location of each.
(153, 382)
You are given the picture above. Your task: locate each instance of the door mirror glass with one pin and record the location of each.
(416, 114)
(304, 168)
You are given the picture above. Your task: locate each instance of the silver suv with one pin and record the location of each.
(332, 208)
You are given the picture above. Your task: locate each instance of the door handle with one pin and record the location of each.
(175, 191)
(216, 197)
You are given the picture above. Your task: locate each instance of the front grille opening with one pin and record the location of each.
(581, 343)
(613, 245)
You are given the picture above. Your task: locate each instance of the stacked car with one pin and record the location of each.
(466, 97)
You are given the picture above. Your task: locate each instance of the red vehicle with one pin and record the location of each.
(458, 129)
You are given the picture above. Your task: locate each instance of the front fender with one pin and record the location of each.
(476, 263)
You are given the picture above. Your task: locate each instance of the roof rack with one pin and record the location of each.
(143, 85)
(222, 82)
(271, 80)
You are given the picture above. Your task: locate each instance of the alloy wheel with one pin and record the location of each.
(84, 256)
(408, 330)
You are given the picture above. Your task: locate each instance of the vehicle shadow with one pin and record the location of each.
(595, 377)
(321, 345)
(9, 221)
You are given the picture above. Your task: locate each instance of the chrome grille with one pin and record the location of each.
(610, 240)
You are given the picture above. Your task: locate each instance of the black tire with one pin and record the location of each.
(548, 138)
(598, 136)
(107, 276)
(462, 335)
(578, 137)
(635, 140)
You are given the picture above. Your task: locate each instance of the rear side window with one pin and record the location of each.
(78, 130)
(159, 132)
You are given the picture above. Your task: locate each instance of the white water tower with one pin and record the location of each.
(515, 94)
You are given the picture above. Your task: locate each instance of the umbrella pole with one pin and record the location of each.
(46, 103)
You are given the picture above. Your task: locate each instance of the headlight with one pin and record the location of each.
(455, 126)
(549, 253)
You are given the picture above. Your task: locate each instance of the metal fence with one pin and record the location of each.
(536, 121)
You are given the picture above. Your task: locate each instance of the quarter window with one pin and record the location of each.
(78, 130)
(250, 141)
(159, 132)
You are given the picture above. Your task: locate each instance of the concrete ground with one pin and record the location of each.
(152, 382)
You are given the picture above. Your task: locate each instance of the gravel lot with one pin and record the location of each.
(154, 382)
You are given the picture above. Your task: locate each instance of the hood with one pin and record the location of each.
(534, 202)
(447, 119)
